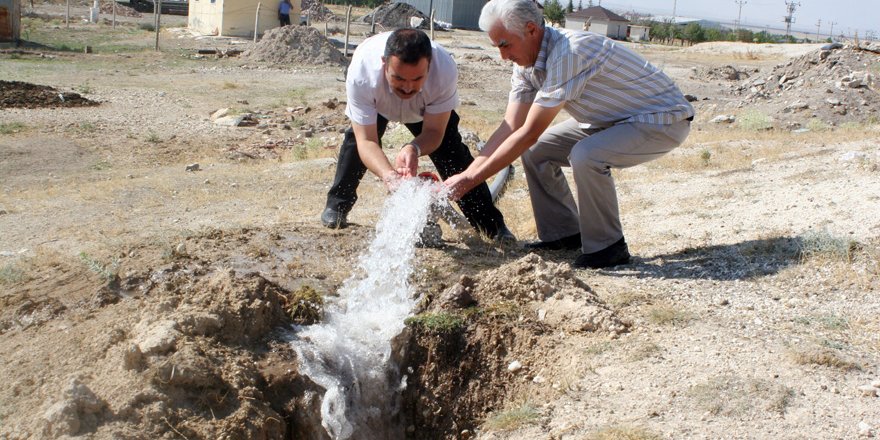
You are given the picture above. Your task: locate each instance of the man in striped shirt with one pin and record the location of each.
(624, 112)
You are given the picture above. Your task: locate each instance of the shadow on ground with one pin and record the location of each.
(736, 261)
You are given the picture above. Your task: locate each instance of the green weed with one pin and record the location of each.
(754, 120)
(11, 274)
(824, 246)
(440, 322)
(512, 418)
(108, 272)
(12, 127)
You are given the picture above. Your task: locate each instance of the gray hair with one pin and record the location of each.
(514, 15)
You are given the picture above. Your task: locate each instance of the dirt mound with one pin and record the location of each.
(316, 11)
(727, 73)
(834, 85)
(297, 45)
(121, 10)
(396, 16)
(16, 94)
(489, 336)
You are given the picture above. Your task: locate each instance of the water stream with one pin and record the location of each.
(348, 353)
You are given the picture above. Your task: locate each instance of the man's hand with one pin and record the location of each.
(407, 162)
(392, 180)
(459, 185)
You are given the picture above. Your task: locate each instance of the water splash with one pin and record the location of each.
(348, 353)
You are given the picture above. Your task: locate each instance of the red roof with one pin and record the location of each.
(596, 13)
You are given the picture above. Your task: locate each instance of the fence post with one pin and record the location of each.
(257, 21)
(347, 24)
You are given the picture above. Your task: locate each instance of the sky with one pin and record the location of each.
(849, 16)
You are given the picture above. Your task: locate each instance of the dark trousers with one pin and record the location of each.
(284, 19)
(450, 158)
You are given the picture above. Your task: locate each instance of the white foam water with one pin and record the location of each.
(348, 354)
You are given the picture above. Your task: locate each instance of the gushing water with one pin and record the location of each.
(348, 353)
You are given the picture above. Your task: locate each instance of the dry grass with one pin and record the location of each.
(668, 314)
(643, 350)
(823, 356)
(624, 433)
(512, 418)
(734, 396)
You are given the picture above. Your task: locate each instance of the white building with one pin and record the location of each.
(598, 20)
(236, 18)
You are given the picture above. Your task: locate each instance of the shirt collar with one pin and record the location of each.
(541, 61)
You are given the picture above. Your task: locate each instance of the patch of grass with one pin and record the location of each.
(86, 127)
(815, 124)
(230, 85)
(153, 137)
(102, 165)
(736, 396)
(624, 433)
(705, 156)
(644, 351)
(754, 120)
(824, 246)
(667, 314)
(513, 418)
(440, 322)
(597, 348)
(85, 89)
(11, 127)
(11, 274)
(626, 299)
(305, 306)
(149, 27)
(108, 272)
(823, 356)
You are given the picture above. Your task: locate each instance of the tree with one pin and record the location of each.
(580, 4)
(693, 32)
(570, 7)
(554, 12)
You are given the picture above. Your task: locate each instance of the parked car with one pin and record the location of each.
(177, 7)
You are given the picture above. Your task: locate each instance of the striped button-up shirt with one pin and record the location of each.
(600, 82)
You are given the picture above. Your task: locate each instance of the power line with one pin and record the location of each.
(789, 19)
(818, 27)
(739, 15)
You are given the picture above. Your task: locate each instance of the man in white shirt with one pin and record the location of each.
(403, 76)
(624, 111)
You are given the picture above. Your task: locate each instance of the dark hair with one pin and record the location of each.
(409, 45)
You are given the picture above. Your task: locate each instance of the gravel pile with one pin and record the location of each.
(295, 45)
(396, 16)
(834, 84)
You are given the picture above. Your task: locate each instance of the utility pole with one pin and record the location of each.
(674, 4)
(739, 15)
(831, 32)
(818, 26)
(789, 19)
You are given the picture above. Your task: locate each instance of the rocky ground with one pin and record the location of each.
(157, 247)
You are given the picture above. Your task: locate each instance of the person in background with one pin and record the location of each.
(624, 112)
(284, 12)
(403, 76)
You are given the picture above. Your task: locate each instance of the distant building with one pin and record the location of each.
(10, 22)
(684, 21)
(598, 20)
(235, 18)
(639, 33)
(461, 14)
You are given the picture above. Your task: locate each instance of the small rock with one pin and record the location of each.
(865, 430)
(219, 114)
(868, 391)
(542, 314)
(851, 156)
(230, 121)
(193, 167)
(723, 119)
(132, 358)
(539, 379)
(722, 302)
(875, 383)
(691, 98)
(514, 366)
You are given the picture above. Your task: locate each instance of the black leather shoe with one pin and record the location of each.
(333, 219)
(569, 243)
(504, 236)
(613, 255)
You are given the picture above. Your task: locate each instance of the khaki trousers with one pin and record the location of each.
(591, 153)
